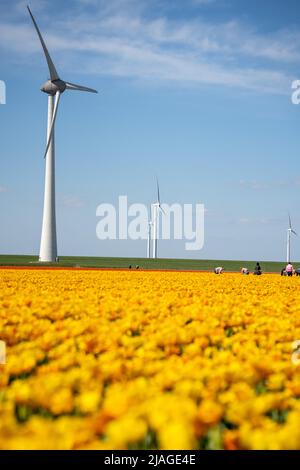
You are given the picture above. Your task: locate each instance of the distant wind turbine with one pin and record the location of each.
(290, 231)
(155, 220)
(54, 88)
(149, 223)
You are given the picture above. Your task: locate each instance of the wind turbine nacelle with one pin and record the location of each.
(52, 87)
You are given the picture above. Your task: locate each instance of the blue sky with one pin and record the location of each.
(197, 92)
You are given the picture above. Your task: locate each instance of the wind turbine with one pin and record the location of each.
(155, 220)
(290, 231)
(54, 88)
(149, 223)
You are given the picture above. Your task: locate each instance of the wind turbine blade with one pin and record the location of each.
(52, 69)
(293, 231)
(57, 97)
(158, 196)
(290, 222)
(162, 210)
(72, 86)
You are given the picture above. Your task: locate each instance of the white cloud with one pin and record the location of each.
(118, 39)
(36, 5)
(244, 220)
(72, 202)
(254, 221)
(257, 185)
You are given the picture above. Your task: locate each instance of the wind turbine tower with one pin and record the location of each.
(290, 231)
(155, 221)
(150, 224)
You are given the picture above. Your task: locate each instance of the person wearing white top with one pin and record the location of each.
(219, 270)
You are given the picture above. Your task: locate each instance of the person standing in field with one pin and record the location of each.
(289, 269)
(257, 270)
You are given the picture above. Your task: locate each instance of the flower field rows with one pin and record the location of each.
(142, 360)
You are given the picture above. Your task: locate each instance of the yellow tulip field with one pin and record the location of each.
(149, 360)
